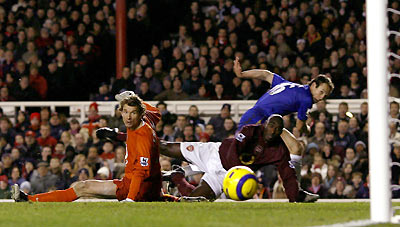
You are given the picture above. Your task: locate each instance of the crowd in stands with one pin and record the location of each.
(49, 48)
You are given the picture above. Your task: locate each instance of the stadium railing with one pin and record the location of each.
(207, 109)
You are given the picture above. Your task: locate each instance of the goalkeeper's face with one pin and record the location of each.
(131, 117)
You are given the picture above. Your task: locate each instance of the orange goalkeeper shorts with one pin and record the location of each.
(122, 188)
(149, 190)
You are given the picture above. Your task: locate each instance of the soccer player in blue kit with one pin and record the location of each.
(284, 98)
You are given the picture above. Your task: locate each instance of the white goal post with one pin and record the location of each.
(378, 83)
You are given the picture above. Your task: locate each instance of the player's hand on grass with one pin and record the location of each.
(237, 68)
(106, 133)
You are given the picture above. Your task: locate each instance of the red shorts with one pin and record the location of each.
(149, 191)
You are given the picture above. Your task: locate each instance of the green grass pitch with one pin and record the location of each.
(180, 214)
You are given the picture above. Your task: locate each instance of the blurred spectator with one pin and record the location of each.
(218, 121)
(246, 93)
(352, 158)
(337, 192)
(124, 83)
(59, 151)
(16, 177)
(55, 126)
(83, 174)
(80, 162)
(194, 118)
(319, 166)
(5, 190)
(116, 120)
(6, 129)
(176, 93)
(119, 162)
(93, 118)
(316, 185)
(80, 143)
(168, 133)
(34, 122)
(188, 133)
(144, 91)
(330, 176)
(45, 139)
(166, 116)
(319, 135)
(7, 164)
(22, 123)
(104, 93)
(211, 132)
(24, 92)
(38, 82)
(32, 146)
(228, 129)
(357, 183)
(180, 123)
(108, 151)
(44, 115)
(363, 192)
(42, 180)
(321, 108)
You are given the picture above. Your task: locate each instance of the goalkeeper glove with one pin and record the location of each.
(106, 133)
(124, 95)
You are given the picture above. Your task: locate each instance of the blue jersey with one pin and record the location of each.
(283, 98)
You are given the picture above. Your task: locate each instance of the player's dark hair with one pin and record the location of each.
(322, 79)
(133, 100)
(276, 118)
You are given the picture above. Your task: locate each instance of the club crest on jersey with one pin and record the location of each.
(190, 148)
(144, 161)
(240, 137)
(258, 149)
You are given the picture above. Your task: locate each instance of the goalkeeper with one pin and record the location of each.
(142, 180)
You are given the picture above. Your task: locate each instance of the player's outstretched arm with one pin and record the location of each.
(253, 73)
(302, 127)
(111, 134)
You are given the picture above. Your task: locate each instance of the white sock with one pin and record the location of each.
(295, 160)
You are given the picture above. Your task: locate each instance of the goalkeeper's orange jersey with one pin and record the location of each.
(142, 159)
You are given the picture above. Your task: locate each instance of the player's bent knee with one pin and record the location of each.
(80, 188)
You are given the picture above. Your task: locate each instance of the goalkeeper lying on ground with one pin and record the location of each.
(142, 180)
